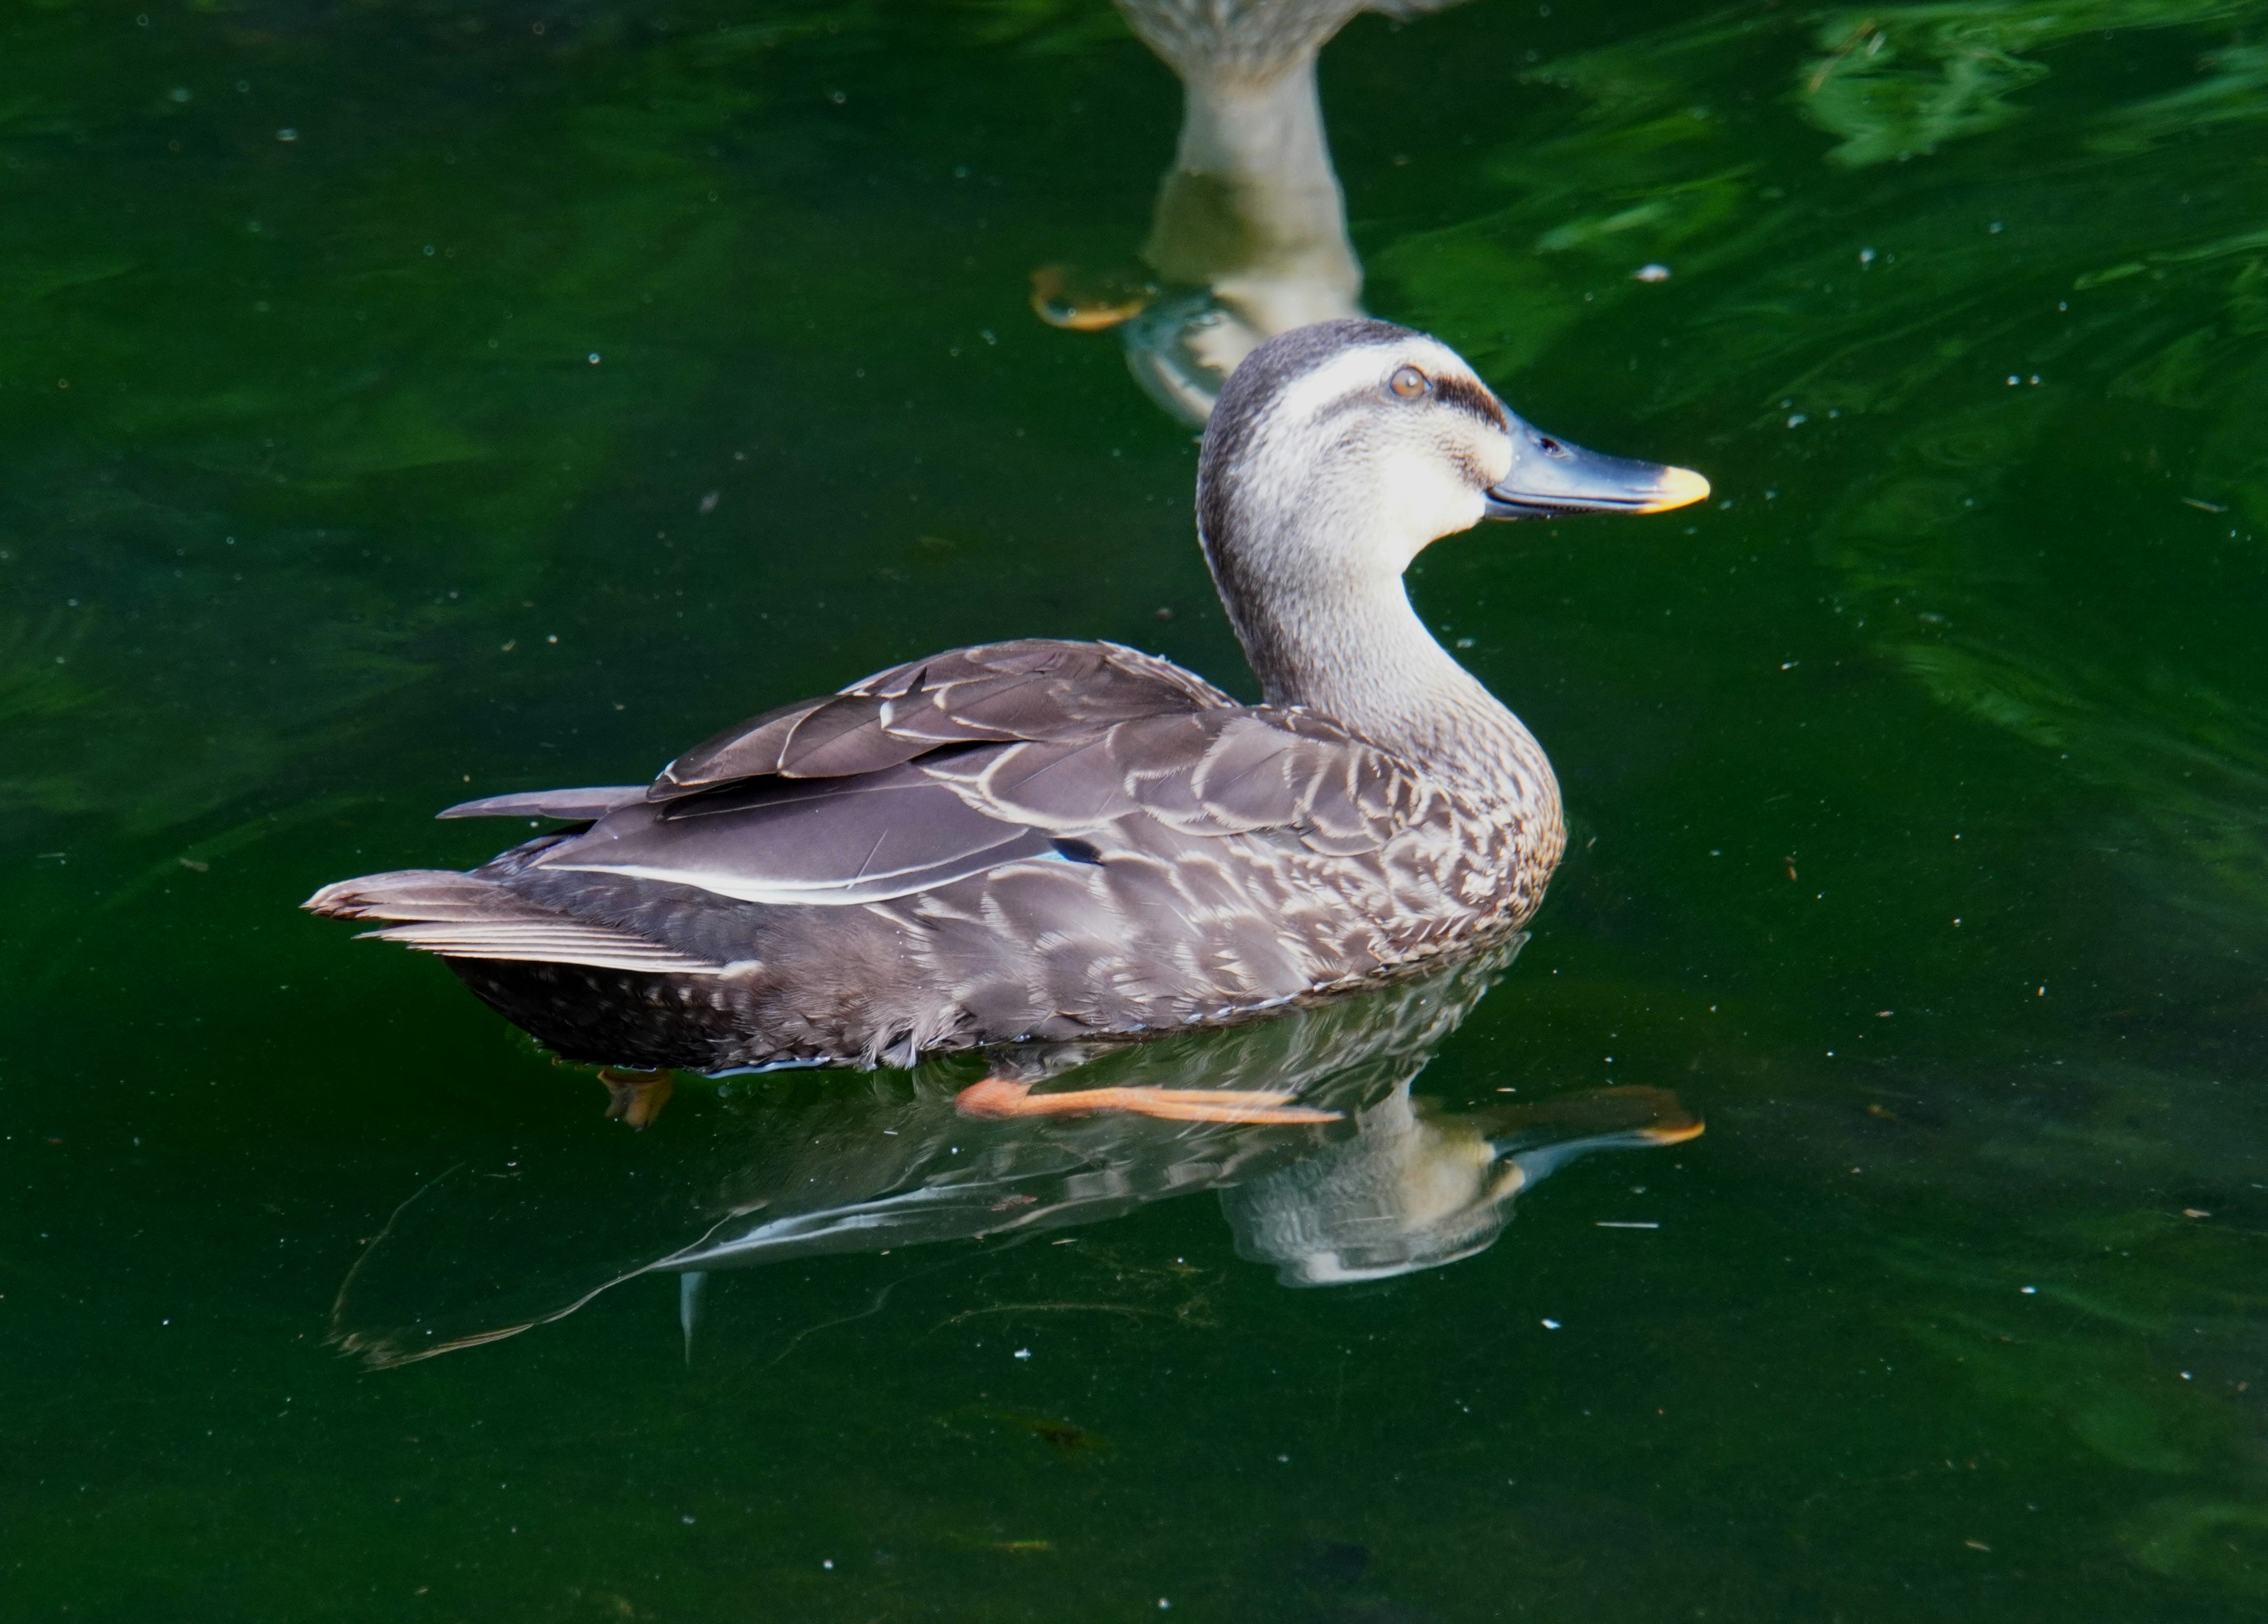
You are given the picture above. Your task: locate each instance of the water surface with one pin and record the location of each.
(399, 400)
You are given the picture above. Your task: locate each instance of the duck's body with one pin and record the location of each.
(1053, 840)
(1024, 841)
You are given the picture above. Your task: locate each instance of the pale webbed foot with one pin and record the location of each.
(999, 1098)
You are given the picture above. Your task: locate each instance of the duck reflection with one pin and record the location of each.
(1249, 238)
(804, 1167)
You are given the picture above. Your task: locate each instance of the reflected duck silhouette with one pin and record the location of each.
(1249, 235)
(1052, 842)
(797, 1170)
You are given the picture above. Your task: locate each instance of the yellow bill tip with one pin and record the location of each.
(1678, 488)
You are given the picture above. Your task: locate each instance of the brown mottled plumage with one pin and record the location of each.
(1048, 841)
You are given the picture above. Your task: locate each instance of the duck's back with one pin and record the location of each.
(1029, 840)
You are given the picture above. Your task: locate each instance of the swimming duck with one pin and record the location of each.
(1044, 842)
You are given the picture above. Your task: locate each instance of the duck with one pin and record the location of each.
(1053, 842)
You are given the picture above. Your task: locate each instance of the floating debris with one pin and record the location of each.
(1650, 273)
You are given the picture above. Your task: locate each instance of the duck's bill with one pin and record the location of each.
(1564, 480)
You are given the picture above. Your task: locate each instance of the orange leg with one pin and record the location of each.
(636, 1097)
(996, 1098)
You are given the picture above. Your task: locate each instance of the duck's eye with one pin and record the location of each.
(1551, 447)
(1408, 382)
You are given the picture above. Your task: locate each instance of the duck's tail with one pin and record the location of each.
(467, 916)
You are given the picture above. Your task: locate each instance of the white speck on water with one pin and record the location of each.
(593, 358)
(1023, 1353)
(1550, 1325)
(1796, 420)
(1866, 256)
(287, 134)
(1650, 273)
(829, 1564)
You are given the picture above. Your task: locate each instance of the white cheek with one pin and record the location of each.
(1425, 500)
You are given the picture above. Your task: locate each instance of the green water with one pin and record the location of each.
(1919, 784)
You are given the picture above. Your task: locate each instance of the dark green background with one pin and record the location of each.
(305, 463)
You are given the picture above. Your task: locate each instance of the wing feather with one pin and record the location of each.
(1226, 771)
(575, 806)
(556, 941)
(837, 841)
(1034, 689)
(966, 762)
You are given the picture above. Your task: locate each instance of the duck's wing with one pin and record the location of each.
(1232, 771)
(574, 805)
(1035, 689)
(940, 769)
(1143, 787)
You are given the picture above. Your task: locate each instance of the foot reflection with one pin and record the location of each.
(1361, 1179)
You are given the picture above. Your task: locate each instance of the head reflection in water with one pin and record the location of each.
(1249, 238)
(798, 1168)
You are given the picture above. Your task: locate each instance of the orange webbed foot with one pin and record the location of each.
(998, 1098)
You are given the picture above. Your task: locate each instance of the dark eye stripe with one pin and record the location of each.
(1467, 396)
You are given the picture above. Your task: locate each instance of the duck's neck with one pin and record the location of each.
(1252, 207)
(1353, 649)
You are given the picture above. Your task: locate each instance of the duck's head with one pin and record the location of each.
(1343, 448)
